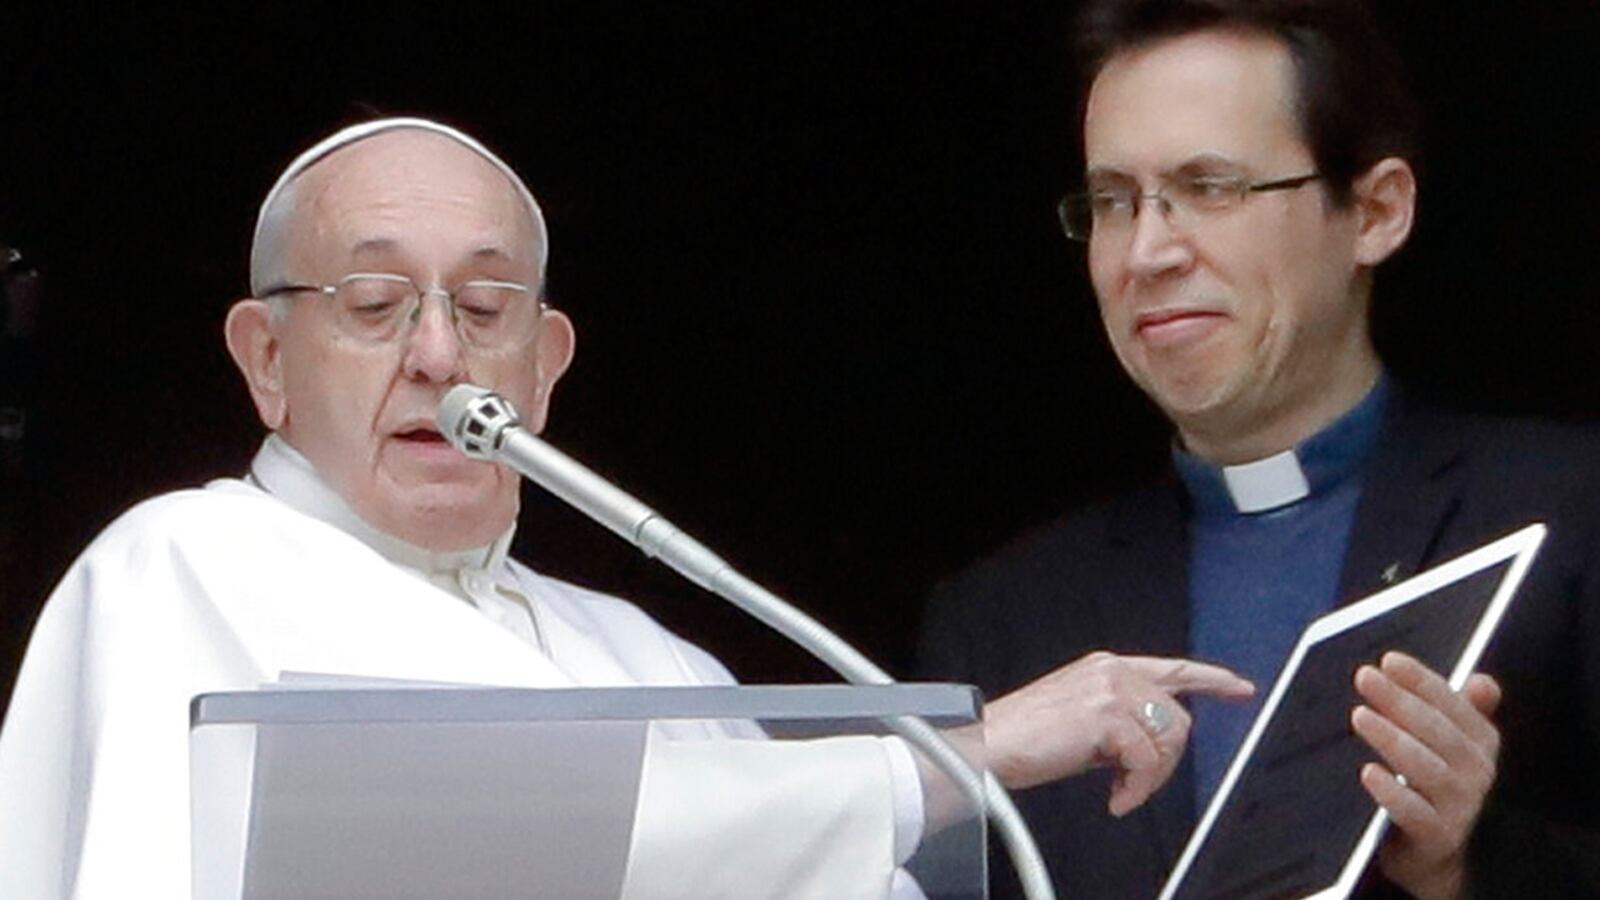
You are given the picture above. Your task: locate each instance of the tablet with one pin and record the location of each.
(1291, 818)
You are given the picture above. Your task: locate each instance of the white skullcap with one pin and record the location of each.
(347, 136)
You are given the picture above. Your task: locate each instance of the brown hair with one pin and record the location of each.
(1351, 93)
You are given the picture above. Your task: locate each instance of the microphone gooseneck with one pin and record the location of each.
(483, 425)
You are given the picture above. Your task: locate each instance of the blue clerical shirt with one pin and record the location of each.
(1267, 544)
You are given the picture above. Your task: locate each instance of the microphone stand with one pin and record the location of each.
(483, 425)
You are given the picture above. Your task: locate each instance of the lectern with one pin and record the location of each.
(398, 790)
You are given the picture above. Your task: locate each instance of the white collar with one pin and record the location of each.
(1266, 483)
(287, 475)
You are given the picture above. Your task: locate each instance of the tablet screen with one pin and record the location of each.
(1291, 818)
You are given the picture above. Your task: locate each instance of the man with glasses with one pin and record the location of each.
(1247, 170)
(390, 262)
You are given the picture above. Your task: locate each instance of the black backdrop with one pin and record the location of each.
(826, 321)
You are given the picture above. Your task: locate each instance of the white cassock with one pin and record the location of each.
(227, 587)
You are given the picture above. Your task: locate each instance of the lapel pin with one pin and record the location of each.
(1391, 573)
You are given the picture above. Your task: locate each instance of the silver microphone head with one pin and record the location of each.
(474, 418)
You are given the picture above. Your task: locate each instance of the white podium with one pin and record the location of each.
(401, 791)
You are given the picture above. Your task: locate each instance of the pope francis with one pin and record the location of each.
(391, 261)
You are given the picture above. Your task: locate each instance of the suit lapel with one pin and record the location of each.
(1148, 613)
(1409, 494)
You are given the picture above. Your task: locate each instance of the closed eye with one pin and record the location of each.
(374, 309)
(480, 314)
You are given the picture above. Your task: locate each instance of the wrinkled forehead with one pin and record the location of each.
(270, 222)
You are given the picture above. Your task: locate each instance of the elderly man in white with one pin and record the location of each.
(392, 261)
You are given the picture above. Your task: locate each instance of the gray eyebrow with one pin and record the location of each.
(384, 245)
(490, 251)
(373, 245)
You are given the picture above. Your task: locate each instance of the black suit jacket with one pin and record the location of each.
(1114, 576)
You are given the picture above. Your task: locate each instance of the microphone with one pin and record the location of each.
(483, 425)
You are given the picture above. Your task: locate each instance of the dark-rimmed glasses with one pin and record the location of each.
(1186, 197)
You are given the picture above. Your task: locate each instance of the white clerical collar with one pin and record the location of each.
(286, 474)
(1266, 483)
(1316, 466)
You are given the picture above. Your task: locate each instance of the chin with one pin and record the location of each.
(1189, 394)
(449, 516)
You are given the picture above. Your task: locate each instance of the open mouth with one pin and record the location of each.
(421, 436)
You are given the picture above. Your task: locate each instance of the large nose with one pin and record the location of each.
(1156, 247)
(433, 350)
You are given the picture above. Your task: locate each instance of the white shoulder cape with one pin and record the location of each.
(225, 588)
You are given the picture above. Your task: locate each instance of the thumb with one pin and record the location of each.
(1137, 761)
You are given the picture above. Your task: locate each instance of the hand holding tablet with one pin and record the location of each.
(1437, 749)
(1341, 745)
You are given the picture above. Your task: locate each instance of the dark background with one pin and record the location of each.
(826, 320)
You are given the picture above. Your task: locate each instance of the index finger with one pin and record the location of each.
(1186, 676)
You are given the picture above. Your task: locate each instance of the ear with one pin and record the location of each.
(254, 346)
(1385, 205)
(552, 354)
